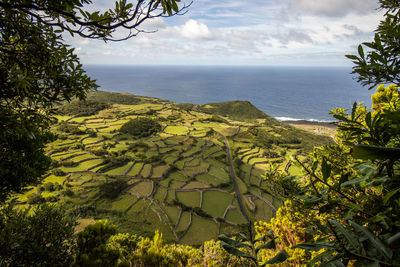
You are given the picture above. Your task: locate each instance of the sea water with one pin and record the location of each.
(286, 93)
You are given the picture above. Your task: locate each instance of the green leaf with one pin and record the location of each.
(269, 245)
(375, 152)
(232, 242)
(361, 51)
(326, 169)
(352, 57)
(353, 182)
(349, 239)
(394, 241)
(234, 251)
(378, 244)
(313, 246)
(389, 195)
(280, 257)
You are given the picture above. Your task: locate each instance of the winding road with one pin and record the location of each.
(235, 185)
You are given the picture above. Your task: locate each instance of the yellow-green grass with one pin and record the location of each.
(160, 171)
(120, 170)
(118, 147)
(142, 189)
(215, 203)
(160, 144)
(183, 222)
(82, 157)
(211, 151)
(165, 182)
(190, 199)
(193, 171)
(164, 150)
(180, 163)
(169, 159)
(176, 130)
(210, 124)
(195, 184)
(81, 119)
(178, 176)
(146, 171)
(209, 179)
(242, 186)
(254, 180)
(96, 120)
(83, 223)
(263, 212)
(170, 197)
(91, 140)
(139, 206)
(201, 230)
(191, 151)
(160, 194)
(62, 118)
(219, 173)
(172, 212)
(176, 184)
(192, 162)
(54, 179)
(64, 154)
(235, 216)
(122, 203)
(228, 131)
(89, 164)
(135, 169)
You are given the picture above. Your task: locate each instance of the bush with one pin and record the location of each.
(113, 189)
(82, 108)
(35, 198)
(44, 237)
(141, 127)
(92, 245)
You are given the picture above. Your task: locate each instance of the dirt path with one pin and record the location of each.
(235, 185)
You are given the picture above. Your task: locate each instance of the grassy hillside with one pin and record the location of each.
(177, 179)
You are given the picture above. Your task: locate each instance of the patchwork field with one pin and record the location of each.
(177, 180)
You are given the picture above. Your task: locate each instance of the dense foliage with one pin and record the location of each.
(380, 63)
(141, 127)
(38, 70)
(43, 236)
(82, 108)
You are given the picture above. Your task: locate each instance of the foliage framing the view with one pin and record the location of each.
(38, 70)
(350, 191)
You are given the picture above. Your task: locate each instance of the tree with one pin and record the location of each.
(346, 203)
(38, 70)
(43, 236)
(381, 63)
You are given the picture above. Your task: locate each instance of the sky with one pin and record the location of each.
(243, 32)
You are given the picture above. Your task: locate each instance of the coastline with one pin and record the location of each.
(316, 127)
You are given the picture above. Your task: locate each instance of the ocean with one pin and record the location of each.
(286, 93)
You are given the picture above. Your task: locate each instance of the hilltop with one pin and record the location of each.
(177, 179)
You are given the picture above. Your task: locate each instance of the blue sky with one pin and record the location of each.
(244, 32)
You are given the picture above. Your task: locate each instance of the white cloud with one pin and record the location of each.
(333, 8)
(194, 30)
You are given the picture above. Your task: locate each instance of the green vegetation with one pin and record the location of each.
(342, 209)
(82, 108)
(141, 127)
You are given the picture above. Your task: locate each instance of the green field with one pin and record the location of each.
(170, 180)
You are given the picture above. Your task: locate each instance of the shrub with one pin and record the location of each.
(92, 245)
(35, 198)
(113, 189)
(141, 127)
(82, 108)
(44, 237)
